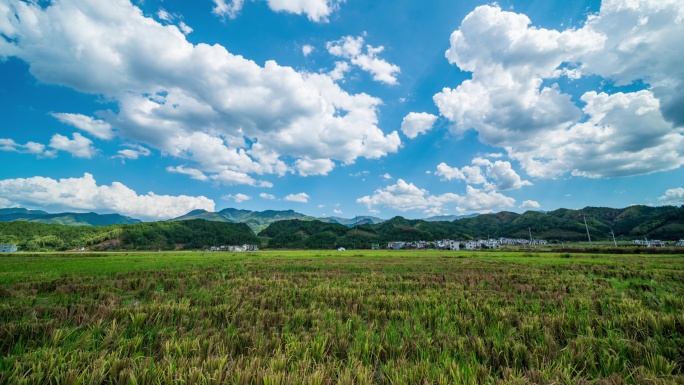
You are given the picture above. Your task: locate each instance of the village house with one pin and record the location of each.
(8, 248)
(513, 242)
(419, 245)
(234, 249)
(647, 243)
(471, 245)
(489, 243)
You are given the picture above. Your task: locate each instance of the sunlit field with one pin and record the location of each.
(350, 317)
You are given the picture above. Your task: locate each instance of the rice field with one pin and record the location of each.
(341, 318)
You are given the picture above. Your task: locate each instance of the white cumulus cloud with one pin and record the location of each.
(192, 172)
(404, 196)
(238, 198)
(186, 29)
(78, 147)
(28, 148)
(195, 102)
(267, 196)
(415, 124)
(163, 14)
(85, 194)
(530, 205)
(341, 68)
(228, 9)
(133, 152)
(497, 175)
(307, 167)
(315, 10)
(307, 49)
(513, 102)
(502, 173)
(364, 57)
(96, 127)
(301, 198)
(469, 174)
(674, 197)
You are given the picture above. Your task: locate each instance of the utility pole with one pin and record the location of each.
(613, 234)
(530, 230)
(587, 227)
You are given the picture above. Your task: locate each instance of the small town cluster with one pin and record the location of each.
(444, 244)
(235, 249)
(448, 244)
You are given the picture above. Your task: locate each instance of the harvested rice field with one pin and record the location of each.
(341, 318)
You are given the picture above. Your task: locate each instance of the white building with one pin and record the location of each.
(446, 244)
(651, 243)
(235, 249)
(680, 243)
(489, 243)
(8, 248)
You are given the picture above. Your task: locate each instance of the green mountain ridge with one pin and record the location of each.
(70, 219)
(351, 222)
(289, 229)
(635, 222)
(256, 220)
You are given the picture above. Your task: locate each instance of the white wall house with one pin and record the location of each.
(651, 243)
(489, 243)
(8, 248)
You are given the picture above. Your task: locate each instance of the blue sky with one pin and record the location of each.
(154, 108)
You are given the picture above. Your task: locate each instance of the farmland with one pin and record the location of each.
(341, 318)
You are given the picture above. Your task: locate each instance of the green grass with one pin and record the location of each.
(325, 317)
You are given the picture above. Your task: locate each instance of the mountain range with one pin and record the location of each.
(256, 220)
(352, 222)
(291, 230)
(666, 222)
(71, 219)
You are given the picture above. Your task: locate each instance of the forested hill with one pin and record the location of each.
(665, 223)
(188, 235)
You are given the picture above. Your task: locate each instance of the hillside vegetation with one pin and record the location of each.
(666, 223)
(193, 234)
